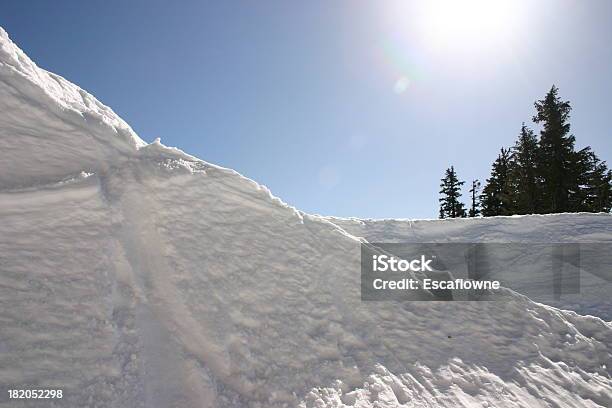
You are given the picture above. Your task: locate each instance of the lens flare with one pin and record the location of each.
(403, 63)
(401, 85)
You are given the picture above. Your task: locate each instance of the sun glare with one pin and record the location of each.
(466, 23)
(420, 33)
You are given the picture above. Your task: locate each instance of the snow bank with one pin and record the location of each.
(581, 227)
(135, 275)
(50, 127)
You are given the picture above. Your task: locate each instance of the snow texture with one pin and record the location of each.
(135, 275)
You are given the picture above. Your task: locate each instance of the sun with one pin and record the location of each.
(462, 24)
(425, 37)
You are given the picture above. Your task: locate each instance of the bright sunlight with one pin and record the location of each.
(467, 23)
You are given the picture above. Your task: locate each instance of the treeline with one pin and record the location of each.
(538, 175)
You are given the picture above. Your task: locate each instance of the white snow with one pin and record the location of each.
(50, 127)
(135, 275)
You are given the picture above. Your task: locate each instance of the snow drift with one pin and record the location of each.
(135, 275)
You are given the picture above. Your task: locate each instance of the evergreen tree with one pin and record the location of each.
(601, 189)
(450, 189)
(524, 180)
(475, 209)
(594, 179)
(497, 195)
(558, 163)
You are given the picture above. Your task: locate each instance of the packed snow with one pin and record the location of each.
(135, 275)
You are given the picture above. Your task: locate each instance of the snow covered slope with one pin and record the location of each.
(79, 133)
(134, 275)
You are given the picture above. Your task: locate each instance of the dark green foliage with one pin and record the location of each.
(475, 208)
(450, 189)
(595, 183)
(557, 161)
(497, 194)
(538, 175)
(524, 178)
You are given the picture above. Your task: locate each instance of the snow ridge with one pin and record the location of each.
(73, 132)
(135, 275)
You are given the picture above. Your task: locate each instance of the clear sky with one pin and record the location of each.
(350, 108)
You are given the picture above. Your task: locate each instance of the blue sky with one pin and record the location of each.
(349, 108)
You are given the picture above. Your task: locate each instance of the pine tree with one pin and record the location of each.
(475, 209)
(524, 180)
(595, 182)
(497, 195)
(557, 161)
(601, 189)
(450, 189)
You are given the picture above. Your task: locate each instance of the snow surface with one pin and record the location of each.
(135, 275)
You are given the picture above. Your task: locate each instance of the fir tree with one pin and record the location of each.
(524, 180)
(475, 209)
(557, 161)
(450, 189)
(497, 195)
(601, 189)
(595, 183)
